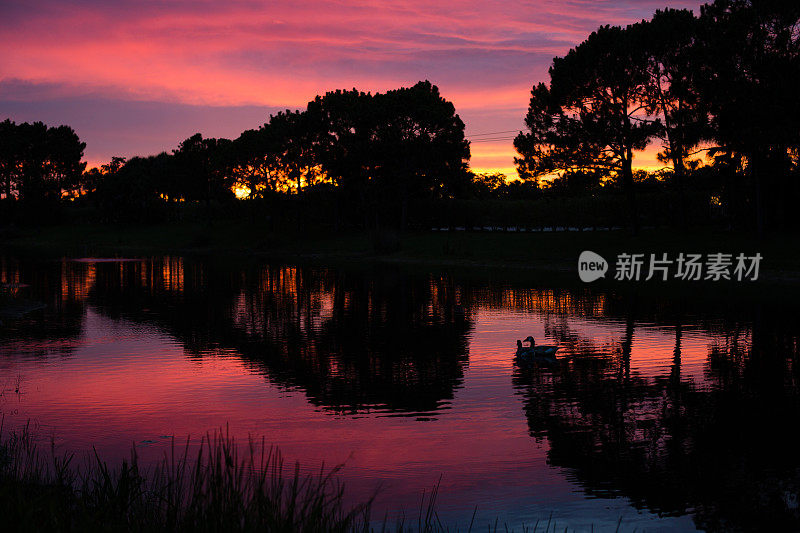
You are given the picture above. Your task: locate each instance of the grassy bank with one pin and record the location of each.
(546, 251)
(217, 489)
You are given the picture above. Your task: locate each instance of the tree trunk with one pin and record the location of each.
(756, 171)
(678, 166)
(627, 185)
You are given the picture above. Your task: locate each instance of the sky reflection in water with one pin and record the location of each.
(668, 411)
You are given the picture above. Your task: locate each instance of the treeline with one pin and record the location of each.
(723, 84)
(366, 154)
(715, 91)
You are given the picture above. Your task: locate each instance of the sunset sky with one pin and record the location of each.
(138, 77)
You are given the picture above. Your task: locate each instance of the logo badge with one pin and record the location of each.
(591, 266)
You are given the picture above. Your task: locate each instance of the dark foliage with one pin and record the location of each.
(715, 90)
(723, 81)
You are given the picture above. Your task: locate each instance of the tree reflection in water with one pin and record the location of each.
(384, 341)
(725, 449)
(352, 343)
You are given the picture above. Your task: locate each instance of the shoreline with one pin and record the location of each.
(547, 253)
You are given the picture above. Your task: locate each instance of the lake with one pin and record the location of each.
(668, 408)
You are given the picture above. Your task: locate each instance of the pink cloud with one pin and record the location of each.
(483, 55)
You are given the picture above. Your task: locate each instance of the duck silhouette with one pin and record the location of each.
(535, 352)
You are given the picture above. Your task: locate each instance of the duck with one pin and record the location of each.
(534, 351)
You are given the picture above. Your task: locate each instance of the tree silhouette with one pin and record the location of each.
(392, 147)
(670, 91)
(130, 192)
(727, 78)
(345, 122)
(39, 163)
(593, 114)
(420, 143)
(296, 148)
(204, 168)
(256, 162)
(747, 73)
(10, 156)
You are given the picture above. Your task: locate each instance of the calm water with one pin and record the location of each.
(670, 410)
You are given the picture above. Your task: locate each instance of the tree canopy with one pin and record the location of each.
(724, 80)
(713, 91)
(39, 163)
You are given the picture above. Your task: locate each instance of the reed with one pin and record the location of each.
(216, 486)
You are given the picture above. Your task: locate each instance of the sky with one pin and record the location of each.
(138, 77)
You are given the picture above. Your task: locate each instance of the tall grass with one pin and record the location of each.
(215, 488)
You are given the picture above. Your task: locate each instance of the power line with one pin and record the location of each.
(492, 139)
(492, 133)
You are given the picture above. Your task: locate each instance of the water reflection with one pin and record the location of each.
(56, 293)
(351, 343)
(722, 447)
(682, 404)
